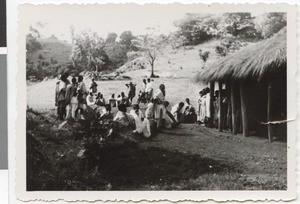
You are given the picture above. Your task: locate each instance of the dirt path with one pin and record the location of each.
(251, 154)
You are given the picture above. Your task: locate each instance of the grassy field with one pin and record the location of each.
(190, 157)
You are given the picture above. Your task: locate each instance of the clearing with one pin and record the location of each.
(189, 157)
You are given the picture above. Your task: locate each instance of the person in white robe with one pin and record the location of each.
(202, 109)
(91, 99)
(142, 124)
(207, 103)
(159, 103)
(199, 106)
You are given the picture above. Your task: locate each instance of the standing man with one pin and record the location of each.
(149, 89)
(71, 99)
(61, 92)
(131, 92)
(93, 86)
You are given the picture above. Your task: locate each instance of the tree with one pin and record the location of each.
(270, 23)
(88, 50)
(150, 45)
(151, 59)
(238, 25)
(197, 28)
(34, 32)
(32, 44)
(126, 37)
(111, 37)
(117, 53)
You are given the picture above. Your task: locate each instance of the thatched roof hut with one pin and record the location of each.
(254, 77)
(254, 61)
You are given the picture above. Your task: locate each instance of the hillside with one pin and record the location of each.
(183, 62)
(51, 48)
(176, 69)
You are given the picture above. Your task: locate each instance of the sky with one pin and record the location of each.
(103, 19)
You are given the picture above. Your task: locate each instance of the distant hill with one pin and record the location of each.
(52, 47)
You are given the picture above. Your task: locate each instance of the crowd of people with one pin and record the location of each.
(73, 100)
(209, 116)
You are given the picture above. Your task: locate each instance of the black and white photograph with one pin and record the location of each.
(155, 98)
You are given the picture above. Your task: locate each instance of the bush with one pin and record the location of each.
(204, 55)
(228, 45)
(32, 44)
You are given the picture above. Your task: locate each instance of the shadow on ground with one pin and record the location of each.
(129, 166)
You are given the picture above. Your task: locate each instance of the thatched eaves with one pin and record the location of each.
(251, 62)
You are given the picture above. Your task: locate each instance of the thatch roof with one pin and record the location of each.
(251, 62)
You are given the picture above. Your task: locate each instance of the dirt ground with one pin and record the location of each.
(190, 157)
(254, 158)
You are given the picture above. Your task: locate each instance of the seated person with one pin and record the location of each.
(123, 119)
(150, 110)
(142, 124)
(91, 100)
(112, 101)
(190, 115)
(119, 100)
(149, 115)
(123, 99)
(107, 115)
(170, 120)
(124, 123)
(141, 97)
(177, 111)
(100, 101)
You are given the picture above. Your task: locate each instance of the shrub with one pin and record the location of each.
(204, 55)
(228, 45)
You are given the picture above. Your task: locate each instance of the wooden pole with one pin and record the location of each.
(211, 103)
(244, 110)
(220, 116)
(269, 118)
(228, 120)
(233, 108)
